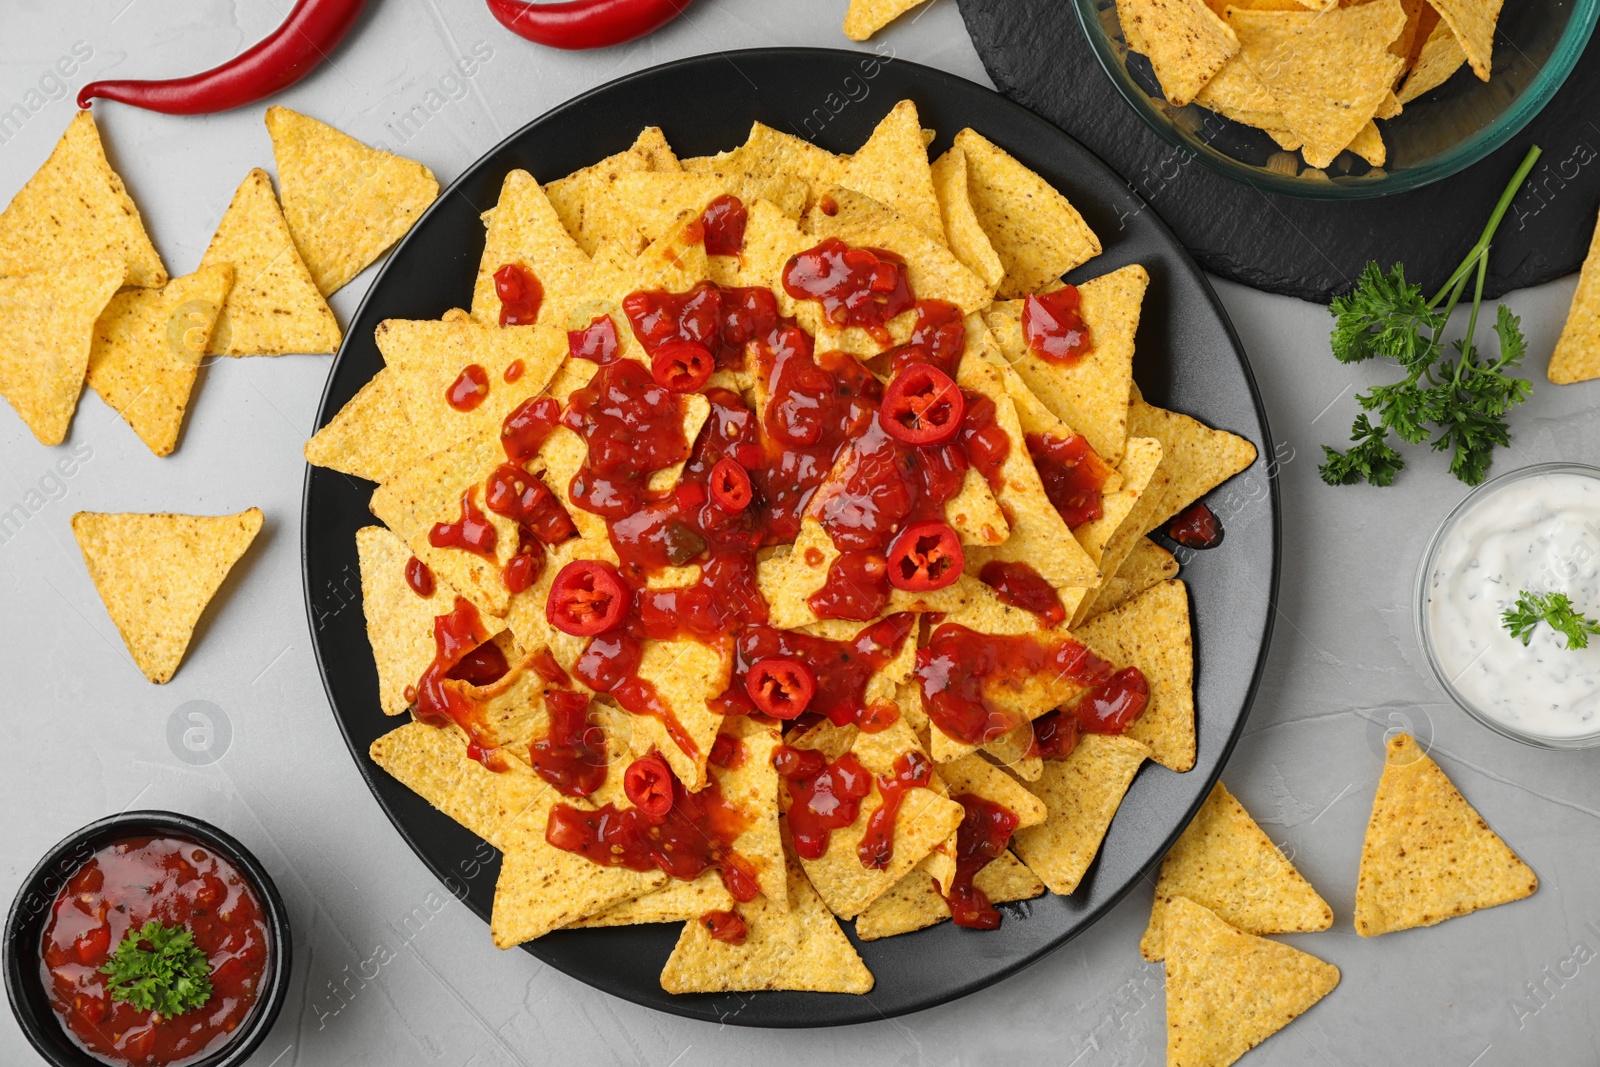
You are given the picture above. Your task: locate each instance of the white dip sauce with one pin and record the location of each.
(1540, 534)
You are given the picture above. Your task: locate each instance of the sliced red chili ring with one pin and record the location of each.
(730, 486)
(781, 687)
(588, 597)
(925, 556)
(648, 783)
(922, 406)
(682, 366)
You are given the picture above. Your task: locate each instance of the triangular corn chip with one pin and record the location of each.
(931, 268)
(157, 573)
(767, 154)
(1225, 862)
(1147, 564)
(962, 231)
(344, 202)
(370, 437)
(1151, 632)
(1440, 57)
(47, 322)
(434, 764)
(677, 901)
(1577, 354)
(1229, 991)
(274, 307)
(1328, 70)
(1082, 793)
(580, 203)
(801, 948)
(148, 344)
(915, 902)
(399, 620)
(525, 230)
(1035, 230)
(1091, 396)
(1197, 458)
(1186, 42)
(1473, 23)
(867, 17)
(76, 207)
(892, 168)
(980, 778)
(1428, 855)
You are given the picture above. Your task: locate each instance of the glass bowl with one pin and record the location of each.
(1423, 620)
(1537, 43)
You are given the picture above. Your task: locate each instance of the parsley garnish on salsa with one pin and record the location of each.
(170, 977)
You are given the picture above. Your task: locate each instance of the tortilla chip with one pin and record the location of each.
(580, 202)
(867, 17)
(426, 357)
(157, 573)
(1038, 536)
(1236, 93)
(1229, 991)
(1035, 230)
(47, 327)
(752, 784)
(1197, 457)
(1225, 862)
(1368, 144)
(768, 153)
(1440, 57)
(1082, 793)
(76, 207)
(1577, 354)
(370, 437)
(802, 948)
(1328, 70)
(344, 202)
(915, 901)
(1091, 396)
(526, 229)
(1473, 23)
(962, 230)
(542, 887)
(1428, 855)
(977, 776)
(429, 491)
(274, 306)
(434, 764)
(1186, 42)
(677, 901)
(892, 168)
(1147, 564)
(399, 621)
(1151, 632)
(931, 268)
(148, 344)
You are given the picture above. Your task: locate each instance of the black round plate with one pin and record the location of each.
(1189, 359)
(1312, 249)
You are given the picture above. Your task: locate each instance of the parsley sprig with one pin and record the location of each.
(1556, 609)
(1459, 400)
(170, 977)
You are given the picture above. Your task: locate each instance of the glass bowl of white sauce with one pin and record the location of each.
(1536, 530)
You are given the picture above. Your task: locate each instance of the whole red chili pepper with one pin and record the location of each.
(312, 30)
(577, 24)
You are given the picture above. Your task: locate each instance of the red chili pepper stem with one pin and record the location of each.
(580, 24)
(312, 30)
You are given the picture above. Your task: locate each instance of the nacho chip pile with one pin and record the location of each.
(764, 549)
(1314, 75)
(85, 297)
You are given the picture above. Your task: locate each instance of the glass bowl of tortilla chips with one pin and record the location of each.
(1328, 99)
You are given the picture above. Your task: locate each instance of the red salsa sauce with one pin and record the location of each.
(1196, 526)
(121, 887)
(1073, 474)
(1054, 328)
(986, 829)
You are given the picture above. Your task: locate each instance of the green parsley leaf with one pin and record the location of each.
(170, 977)
(1554, 609)
(1459, 405)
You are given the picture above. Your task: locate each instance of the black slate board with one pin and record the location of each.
(1035, 52)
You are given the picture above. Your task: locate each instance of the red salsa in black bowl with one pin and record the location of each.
(147, 939)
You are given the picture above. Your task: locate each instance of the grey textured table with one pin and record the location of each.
(391, 970)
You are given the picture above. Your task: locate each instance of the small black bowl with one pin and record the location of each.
(31, 909)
